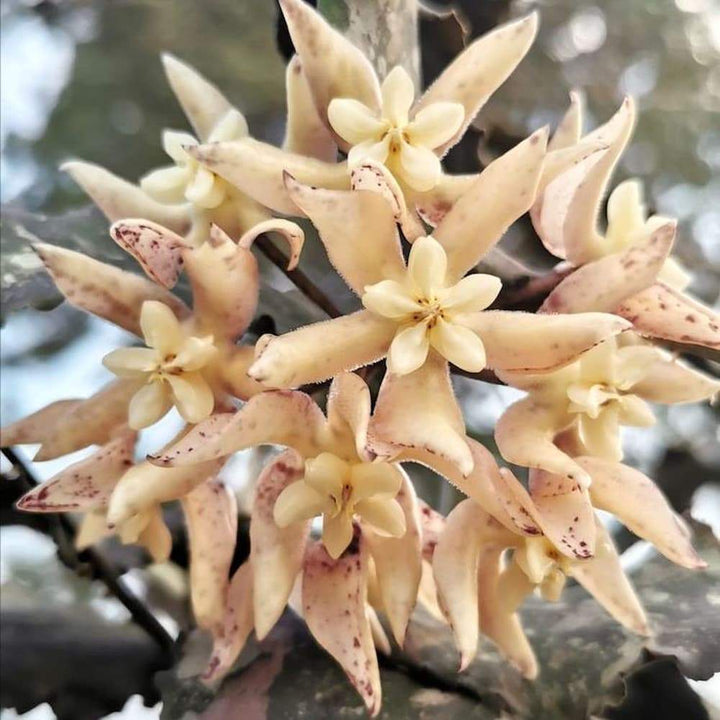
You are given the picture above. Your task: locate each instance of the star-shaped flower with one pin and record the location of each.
(627, 268)
(188, 198)
(426, 313)
(606, 388)
(193, 360)
(376, 122)
(369, 511)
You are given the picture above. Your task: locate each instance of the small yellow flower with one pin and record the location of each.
(187, 180)
(338, 490)
(431, 314)
(405, 146)
(544, 565)
(171, 364)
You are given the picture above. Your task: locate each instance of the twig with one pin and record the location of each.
(301, 281)
(62, 531)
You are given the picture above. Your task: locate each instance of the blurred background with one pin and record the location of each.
(82, 79)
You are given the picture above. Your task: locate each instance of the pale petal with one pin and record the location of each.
(640, 505)
(119, 199)
(371, 480)
(459, 345)
(337, 534)
(275, 552)
(275, 417)
(497, 619)
(570, 127)
(369, 151)
(409, 349)
(539, 343)
(602, 285)
(427, 265)
(384, 516)
(348, 413)
(34, 427)
(524, 435)
(436, 124)
(333, 597)
(291, 232)
(674, 274)
(663, 313)
(603, 577)
(144, 485)
(433, 205)
(257, 168)
(376, 177)
(195, 353)
(473, 293)
(148, 405)
(334, 67)
(211, 520)
(160, 327)
(501, 194)
(347, 343)
(298, 502)
(237, 625)
(418, 166)
(398, 93)
(174, 143)
(390, 299)
(92, 529)
(166, 184)
(205, 189)
(158, 250)
(89, 422)
(233, 372)
(398, 562)
(480, 69)
(104, 290)
(231, 126)
(669, 381)
(635, 412)
(601, 436)
(625, 213)
(419, 411)
(201, 101)
(224, 280)
(358, 230)
(354, 122)
(156, 537)
(326, 474)
(84, 485)
(305, 131)
(580, 236)
(192, 395)
(134, 362)
(565, 513)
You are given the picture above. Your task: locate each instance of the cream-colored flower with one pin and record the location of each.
(339, 490)
(187, 180)
(606, 388)
(429, 313)
(544, 566)
(171, 366)
(629, 225)
(404, 145)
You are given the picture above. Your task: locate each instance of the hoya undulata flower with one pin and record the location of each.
(425, 313)
(370, 515)
(391, 137)
(606, 388)
(171, 367)
(627, 267)
(186, 180)
(338, 491)
(374, 122)
(429, 314)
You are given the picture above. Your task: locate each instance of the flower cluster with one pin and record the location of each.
(406, 238)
